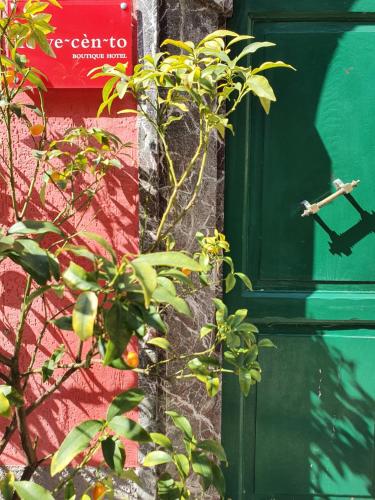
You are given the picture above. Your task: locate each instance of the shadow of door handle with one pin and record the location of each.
(341, 188)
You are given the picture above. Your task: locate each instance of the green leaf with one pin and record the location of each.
(69, 491)
(230, 282)
(203, 467)
(245, 380)
(168, 489)
(218, 480)
(124, 402)
(153, 319)
(78, 278)
(14, 397)
(28, 490)
(261, 87)
(266, 343)
(160, 342)
(270, 65)
(36, 293)
(114, 454)
(6, 243)
(181, 423)
(177, 43)
(84, 315)
(156, 458)
(213, 447)
(119, 331)
(246, 281)
(75, 442)
(239, 38)
(7, 486)
(212, 385)
(50, 365)
(102, 242)
(182, 464)
(162, 296)
(33, 259)
(34, 227)
(256, 375)
(146, 275)
(161, 440)
(218, 34)
(64, 323)
(129, 429)
(253, 47)
(5, 409)
(206, 329)
(170, 259)
(266, 104)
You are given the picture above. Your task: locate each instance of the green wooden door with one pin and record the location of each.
(307, 431)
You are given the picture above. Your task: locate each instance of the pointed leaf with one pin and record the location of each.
(28, 490)
(181, 423)
(146, 276)
(270, 65)
(78, 278)
(125, 402)
(75, 442)
(119, 331)
(261, 87)
(114, 454)
(253, 47)
(161, 342)
(84, 315)
(34, 227)
(156, 458)
(129, 429)
(170, 259)
(161, 440)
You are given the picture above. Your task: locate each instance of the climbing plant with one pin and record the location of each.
(106, 298)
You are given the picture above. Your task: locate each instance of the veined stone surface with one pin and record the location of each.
(224, 6)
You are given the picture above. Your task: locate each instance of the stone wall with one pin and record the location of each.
(185, 20)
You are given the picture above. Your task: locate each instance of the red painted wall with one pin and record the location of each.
(115, 216)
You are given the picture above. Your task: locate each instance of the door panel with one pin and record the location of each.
(316, 403)
(307, 430)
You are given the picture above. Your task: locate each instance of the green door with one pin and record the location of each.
(307, 430)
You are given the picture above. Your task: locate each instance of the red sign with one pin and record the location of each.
(88, 34)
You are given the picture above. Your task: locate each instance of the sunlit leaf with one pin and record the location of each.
(84, 315)
(75, 442)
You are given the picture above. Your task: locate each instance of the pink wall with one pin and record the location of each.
(115, 211)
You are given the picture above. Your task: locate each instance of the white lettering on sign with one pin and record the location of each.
(89, 43)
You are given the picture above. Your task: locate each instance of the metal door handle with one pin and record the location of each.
(341, 188)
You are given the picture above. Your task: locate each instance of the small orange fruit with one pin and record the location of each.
(132, 359)
(56, 176)
(98, 491)
(36, 129)
(9, 76)
(186, 271)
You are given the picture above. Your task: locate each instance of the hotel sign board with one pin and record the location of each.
(88, 34)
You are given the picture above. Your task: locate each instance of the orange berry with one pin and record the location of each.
(9, 76)
(186, 271)
(55, 176)
(98, 491)
(36, 129)
(132, 359)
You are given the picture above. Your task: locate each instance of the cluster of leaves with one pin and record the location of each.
(200, 458)
(107, 434)
(81, 151)
(27, 25)
(208, 75)
(210, 79)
